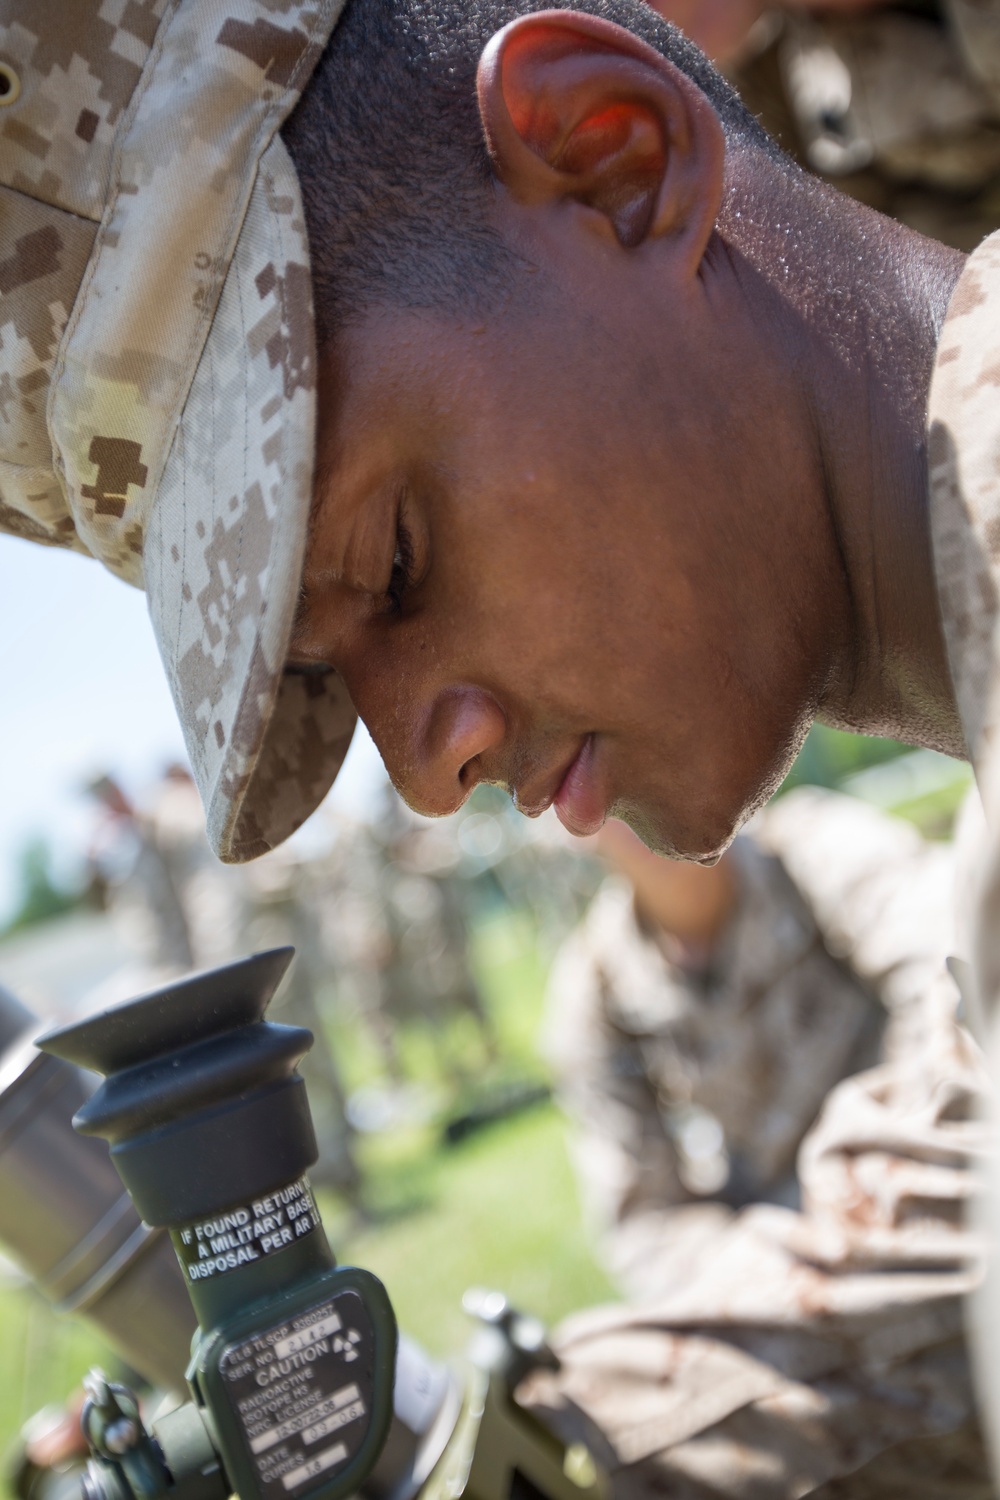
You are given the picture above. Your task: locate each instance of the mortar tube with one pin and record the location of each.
(66, 1220)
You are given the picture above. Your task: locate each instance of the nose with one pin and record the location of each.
(443, 761)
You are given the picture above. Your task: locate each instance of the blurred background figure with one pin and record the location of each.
(180, 909)
(281, 905)
(397, 920)
(356, 937)
(526, 865)
(696, 1022)
(777, 1128)
(213, 897)
(427, 974)
(129, 869)
(898, 104)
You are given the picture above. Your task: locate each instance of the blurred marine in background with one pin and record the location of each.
(899, 104)
(776, 1138)
(177, 909)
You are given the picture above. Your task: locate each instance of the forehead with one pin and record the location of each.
(398, 363)
(471, 391)
(465, 431)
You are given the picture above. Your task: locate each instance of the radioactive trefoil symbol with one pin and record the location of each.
(346, 1345)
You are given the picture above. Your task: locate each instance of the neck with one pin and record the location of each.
(862, 300)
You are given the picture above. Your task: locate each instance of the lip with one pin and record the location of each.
(580, 802)
(566, 783)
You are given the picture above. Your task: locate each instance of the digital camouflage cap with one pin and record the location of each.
(157, 360)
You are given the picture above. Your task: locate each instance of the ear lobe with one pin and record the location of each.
(575, 108)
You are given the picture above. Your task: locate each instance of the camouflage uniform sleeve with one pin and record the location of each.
(881, 895)
(634, 1201)
(815, 1345)
(965, 526)
(903, 1134)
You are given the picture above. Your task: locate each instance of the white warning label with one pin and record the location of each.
(245, 1234)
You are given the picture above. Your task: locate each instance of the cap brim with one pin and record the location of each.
(224, 546)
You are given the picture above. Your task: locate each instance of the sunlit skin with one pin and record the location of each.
(616, 543)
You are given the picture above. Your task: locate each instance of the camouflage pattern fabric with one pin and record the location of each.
(157, 363)
(965, 499)
(964, 440)
(780, 1351)
(691, 1091)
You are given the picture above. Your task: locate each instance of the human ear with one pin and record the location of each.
(577, 110)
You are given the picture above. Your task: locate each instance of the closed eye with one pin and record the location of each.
(308, 669)
(402, 577)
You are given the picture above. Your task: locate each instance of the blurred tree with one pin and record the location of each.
(829, 756)
(40, 897)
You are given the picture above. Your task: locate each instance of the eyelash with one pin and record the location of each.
(401, 579)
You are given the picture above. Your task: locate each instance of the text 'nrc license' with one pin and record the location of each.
(242, 1235)
(302, 1393)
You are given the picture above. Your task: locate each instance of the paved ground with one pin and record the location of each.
(54, 967)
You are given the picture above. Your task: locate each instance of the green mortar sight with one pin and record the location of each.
(292, 1366)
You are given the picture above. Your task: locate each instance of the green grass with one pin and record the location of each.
(499, 1210)
(42, 1356)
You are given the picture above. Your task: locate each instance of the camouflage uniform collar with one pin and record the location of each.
(963, 430)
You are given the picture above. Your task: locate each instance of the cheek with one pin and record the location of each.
(564, 600)
(534, 602)
(708, 755)
(559, 584)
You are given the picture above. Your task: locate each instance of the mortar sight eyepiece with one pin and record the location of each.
(294, 1359)
(201, 1101)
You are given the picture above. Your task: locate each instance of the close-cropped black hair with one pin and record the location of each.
(390, 154)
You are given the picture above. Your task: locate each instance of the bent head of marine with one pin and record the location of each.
(484, 371)
(618, 411)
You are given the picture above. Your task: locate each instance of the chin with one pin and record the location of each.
(701, 840)
(696, 814)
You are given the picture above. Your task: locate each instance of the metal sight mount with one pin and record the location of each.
(292, 1366)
